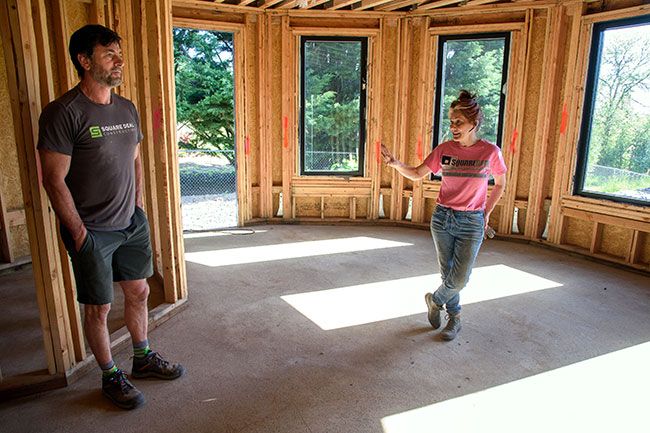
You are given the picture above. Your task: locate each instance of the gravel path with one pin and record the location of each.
(207, 212)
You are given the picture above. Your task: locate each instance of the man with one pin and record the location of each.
(88, 145)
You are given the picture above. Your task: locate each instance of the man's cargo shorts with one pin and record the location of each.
(108, 256)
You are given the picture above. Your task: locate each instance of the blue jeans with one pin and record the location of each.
(457, 236)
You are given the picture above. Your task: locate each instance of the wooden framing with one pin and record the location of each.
(565, 205)
(401, 87)
(375, 131)
(399, 134)
(289, 103)
(555, 33)
(23, 73)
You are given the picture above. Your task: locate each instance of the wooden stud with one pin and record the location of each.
(375, 131)
(596, 238)
(265, 108)
(288, 109)
(65, 68)
(513, 121)
(635, 247)
(549, 96)
(424, 67)
(573, 91)
(401, 100)
(98, 12)
(175, 213)
(156, 25)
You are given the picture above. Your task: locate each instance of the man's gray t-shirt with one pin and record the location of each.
(101, 141)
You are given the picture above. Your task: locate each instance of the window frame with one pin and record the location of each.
(586, 124)
(439, 76)
(363, 100)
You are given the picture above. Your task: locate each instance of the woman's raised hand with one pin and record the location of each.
(386, 155)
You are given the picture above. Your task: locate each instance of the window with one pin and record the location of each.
(333, 105)
(478, 63)
(614, 147)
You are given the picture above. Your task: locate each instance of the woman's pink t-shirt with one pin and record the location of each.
(465, 172)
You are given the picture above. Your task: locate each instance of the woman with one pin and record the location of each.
(463, 209)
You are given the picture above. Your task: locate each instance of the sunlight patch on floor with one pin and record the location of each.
(602, 394)
(224, 232)
(383, 300)
(267, 253)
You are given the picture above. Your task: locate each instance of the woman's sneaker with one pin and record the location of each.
(452, 328)
(153, 365)
(434, 311)
(118, 389)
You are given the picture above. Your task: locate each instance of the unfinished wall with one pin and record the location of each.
(10, 188)
(548, 53)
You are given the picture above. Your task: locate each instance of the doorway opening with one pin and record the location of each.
(205, 128)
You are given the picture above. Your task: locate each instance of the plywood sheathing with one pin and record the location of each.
(538, 33)
(578, 233)
(17, 244)
(615, 241)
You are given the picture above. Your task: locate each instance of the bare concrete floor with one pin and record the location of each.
(21, 337)
(323, 329)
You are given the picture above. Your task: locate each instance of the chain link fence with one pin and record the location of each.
(618, 182)
(317, 160)
(208, 189)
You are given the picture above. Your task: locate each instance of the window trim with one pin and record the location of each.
(363, 100)
(586, 124)
(439, 73)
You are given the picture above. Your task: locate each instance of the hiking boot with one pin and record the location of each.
(434, 311)
(118, 389)
(153, 365)
(452, 328)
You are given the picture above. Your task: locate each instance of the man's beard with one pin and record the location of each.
(106, 78)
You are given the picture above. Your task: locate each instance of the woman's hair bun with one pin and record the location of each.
(467, 104)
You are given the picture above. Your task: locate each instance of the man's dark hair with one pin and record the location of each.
(83, 41)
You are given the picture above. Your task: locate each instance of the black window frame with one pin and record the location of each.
(363, 96)
(442, 39)
(586, 124)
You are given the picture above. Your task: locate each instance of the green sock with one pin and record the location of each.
(109, 371)
(141, 349)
